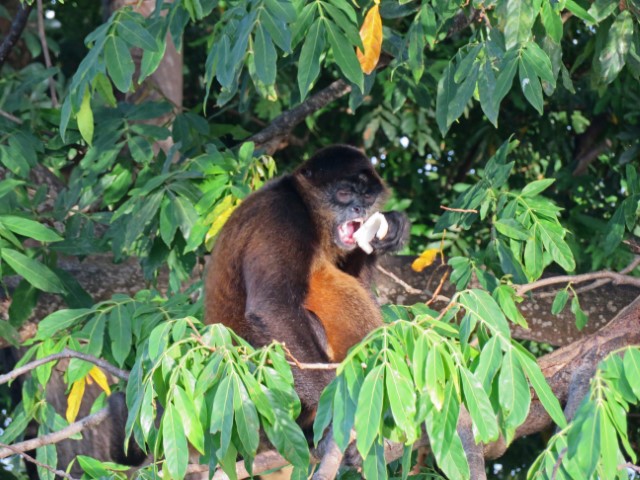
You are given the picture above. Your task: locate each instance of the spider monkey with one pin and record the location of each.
(286, 266)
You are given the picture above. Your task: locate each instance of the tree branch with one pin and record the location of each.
(45, 52)
(66, 353)
(473, 451)
(29, 458)
(616, 278)
(270, 138)
(56, 437)
(17, 26)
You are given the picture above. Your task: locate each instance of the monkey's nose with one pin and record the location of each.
(358, 210)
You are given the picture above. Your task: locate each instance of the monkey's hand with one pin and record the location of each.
(397, 234)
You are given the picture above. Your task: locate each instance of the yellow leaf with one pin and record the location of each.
(220, 215)
(371, 35)
(74, 400)
(100, 378)
(425, 259)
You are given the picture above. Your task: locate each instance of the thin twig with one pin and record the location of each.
(399, 281)
(45, 52)
(307, 366)
(66, 353)
(8, 116)
(616, 278)
(556, 466)
(436, 294)
(29, 458)
(55, 437)
(17, 26)
(461, 210)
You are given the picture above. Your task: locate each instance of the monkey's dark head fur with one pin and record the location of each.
(342, 178)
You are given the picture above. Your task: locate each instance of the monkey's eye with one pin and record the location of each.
(369, 197)
(344, 196)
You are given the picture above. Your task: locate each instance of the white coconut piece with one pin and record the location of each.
(375, 226)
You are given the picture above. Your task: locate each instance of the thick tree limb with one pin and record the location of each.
(66, 353)
(270, 138)
(472, 450)
(17, 26)
(55, 437)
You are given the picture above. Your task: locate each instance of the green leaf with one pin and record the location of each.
(557, 247)
(434, 377)
(400, 393)
(264, 55)
(530, 84)
(84, 118)
(615, 231)
(34, 272)
(540, 385)
(539, 61)
(464, 93)
(246, 416)
(190, 419)
(324, 413)
(309, 63)
(369, 411)
(578, 11)
(534, 188)
(136, 35)
(613, 55)
(559, 302)
(552, 21)
(512, 229)
(222, 413)
(515, 397)
(479, 407)
(519, 16)
(60, 320)
(174, 442)
(581, 317)
(490, 359)
(46, 455)
(374, 466)
(504, 295)
(444, 439)
(632, 369)
(29, 228)
(485, 310)
(119, 63)
(486, 90)
(345, 55)
(446, 92)
(505, 77)
(119, 327)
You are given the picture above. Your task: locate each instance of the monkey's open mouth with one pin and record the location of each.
(347, 229)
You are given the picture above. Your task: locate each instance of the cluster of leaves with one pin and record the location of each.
(382, 395)
(602, 418)
(526, 234)
(216, 391)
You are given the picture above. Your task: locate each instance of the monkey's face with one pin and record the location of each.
(352, 202)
